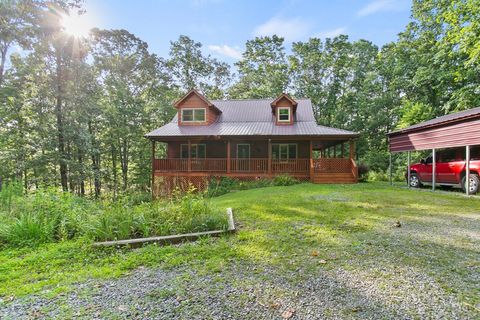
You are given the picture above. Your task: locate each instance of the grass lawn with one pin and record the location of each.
(346, 235)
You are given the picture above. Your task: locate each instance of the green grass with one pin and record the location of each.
(53, 216)
(287, 228)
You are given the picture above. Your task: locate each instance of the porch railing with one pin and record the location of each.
(332, 165)
(256, 165)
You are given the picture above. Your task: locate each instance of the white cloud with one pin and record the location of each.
(227, 51)
(332, 33)
(291, 29)
(381, 5)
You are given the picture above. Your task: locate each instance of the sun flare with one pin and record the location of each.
(76, 25)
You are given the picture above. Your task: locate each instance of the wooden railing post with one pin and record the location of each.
(352, 149)
(189, 155)
(153, 168)
(311, 160)
(228, 157)
(269, 156)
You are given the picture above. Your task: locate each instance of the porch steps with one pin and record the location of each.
(333, 178)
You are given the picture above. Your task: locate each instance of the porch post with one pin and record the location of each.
(408, 169)
(189, 155)
(390, 169)
(434, 169)
(311, 159)
(342, 149)
(153, 168)
(335, 151)
(228, 156)
(269, 156)
(352, 149)
(467, 170)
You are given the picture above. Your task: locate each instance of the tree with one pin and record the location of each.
(135, 85)
(192, 70)
(263, 69)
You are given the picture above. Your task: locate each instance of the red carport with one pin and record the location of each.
(453, 130)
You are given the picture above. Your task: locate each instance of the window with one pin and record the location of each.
(447, 155)
(284, 114)
(284, 151)
(243, 151)
(198, 151)
(193, 115)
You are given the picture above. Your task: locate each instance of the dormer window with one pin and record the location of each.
(193, 115)
(284, 114)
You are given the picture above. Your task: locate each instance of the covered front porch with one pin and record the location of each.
(320, 161)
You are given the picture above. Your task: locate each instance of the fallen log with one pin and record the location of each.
(173, 238)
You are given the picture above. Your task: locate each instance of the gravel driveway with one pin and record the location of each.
(247, 292)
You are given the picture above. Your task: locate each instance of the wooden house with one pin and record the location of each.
(249, 139)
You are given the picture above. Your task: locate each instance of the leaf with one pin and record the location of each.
(287, 314)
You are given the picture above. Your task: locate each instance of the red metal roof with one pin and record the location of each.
(252, 118)
(457, 116)
(453, 130)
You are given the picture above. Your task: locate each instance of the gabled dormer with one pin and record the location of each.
(195, 109)
(284, 109)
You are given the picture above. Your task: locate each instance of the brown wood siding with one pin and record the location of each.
(446, 136)
(282, 104)
(218, 149)
(214, 149)
(194, 101)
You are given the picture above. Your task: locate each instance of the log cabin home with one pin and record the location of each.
(248, 139)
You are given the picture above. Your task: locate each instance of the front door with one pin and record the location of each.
(243, 157)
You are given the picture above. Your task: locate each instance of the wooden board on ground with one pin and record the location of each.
(173, 238)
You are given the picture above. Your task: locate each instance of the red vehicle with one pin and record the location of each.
(450, 169)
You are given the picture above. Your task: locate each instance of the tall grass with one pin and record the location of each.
(53, 216)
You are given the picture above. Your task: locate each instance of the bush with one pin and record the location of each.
(52, 216)
(218, 186)
(284, 180)
(363, 171)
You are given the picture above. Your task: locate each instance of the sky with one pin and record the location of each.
(223, 26)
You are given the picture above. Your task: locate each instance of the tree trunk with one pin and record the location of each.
(60, 129)
(71, 181)
(124, 162)
(114, 171)
(95, 156)
(82, 173)
(2, 63)
(25, 181)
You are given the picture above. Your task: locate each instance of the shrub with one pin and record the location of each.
(363, 171)
(52, 216)
(218, 186)
(284, 180)
(8, 193)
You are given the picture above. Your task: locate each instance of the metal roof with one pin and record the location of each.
(252, 118)
(453, 117)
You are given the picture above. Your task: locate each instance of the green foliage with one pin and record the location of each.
(225, 185)
(218, 186)
(348, 226)
(52, 216)
(84, 111)
(414, 112)
(363, 172)
(284, 180)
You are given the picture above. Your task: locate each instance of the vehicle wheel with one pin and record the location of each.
(415, 181)
(474, 183)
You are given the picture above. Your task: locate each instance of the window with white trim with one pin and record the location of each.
(197, 151)
(283, 114)
(193, 114)
(284, 151)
